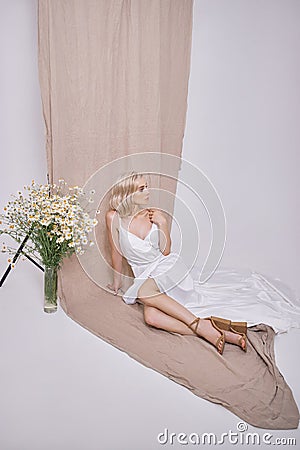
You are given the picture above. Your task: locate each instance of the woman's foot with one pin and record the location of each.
(236, 339)
(235, 332)
(205, 329)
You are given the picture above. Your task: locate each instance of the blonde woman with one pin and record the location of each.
(130, 226)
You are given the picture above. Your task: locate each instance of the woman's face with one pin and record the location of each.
(141, 195)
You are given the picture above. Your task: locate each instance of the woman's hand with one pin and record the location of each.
(115, 286)
(157, 216)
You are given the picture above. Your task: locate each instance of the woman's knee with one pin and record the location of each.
(150, 315)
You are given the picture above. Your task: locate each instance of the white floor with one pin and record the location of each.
(63, 388)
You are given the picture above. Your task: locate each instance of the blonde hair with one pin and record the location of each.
(121, 199)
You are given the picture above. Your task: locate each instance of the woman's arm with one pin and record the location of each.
(164, 238)
(159, 218)
(116, 256)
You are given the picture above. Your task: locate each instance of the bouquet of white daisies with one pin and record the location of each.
(51, 219)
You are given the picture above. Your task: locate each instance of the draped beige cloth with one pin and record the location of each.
(114, 79)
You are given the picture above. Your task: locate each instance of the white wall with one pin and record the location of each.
(21, 119)
(243, 127)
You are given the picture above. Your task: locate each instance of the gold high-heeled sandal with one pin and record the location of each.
(220, 338)
(240, 327)
(235, 327)
(225, 324)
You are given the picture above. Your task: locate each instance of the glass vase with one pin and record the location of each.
(50, 289)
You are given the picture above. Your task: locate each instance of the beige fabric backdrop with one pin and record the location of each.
(114, 79)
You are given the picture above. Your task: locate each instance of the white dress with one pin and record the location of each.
(238, 295)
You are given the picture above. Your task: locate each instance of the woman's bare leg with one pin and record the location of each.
(174, 310)
(157, 318)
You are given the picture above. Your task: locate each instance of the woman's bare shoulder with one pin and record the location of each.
(110, 216)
